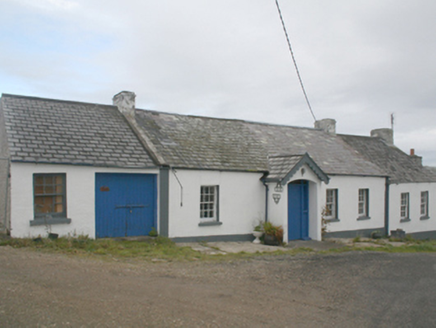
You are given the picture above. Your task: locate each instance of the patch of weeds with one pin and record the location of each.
(156, 248)
(153, 232)
(356, 239)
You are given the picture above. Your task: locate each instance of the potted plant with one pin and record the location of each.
(257, 233)
(51, 235)
(273, 234)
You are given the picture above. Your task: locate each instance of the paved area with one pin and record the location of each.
(249, 247)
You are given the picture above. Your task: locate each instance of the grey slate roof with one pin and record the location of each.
(329, 152)
(203, 143)
(224, 144)
(62, 132)
(282, 168)
(400, 167)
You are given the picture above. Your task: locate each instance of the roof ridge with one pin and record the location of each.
(55, 100)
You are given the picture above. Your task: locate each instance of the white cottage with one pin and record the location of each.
(107, 171)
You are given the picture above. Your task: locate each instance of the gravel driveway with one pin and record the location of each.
(353, 289)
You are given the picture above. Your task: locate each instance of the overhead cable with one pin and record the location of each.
(293, 58)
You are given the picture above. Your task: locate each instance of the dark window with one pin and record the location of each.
(404, 208)
(363, 202)
(424, 204)
(209, 203)
(331, 204)
(49, 196)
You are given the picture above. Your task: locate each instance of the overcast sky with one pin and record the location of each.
(360, 60)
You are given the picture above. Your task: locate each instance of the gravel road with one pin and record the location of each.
(354, 289)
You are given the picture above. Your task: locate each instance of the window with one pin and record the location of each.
(363, 203)
(49, 192)
(209, 203)
(404, 208)
(424, 205)
(331, 204)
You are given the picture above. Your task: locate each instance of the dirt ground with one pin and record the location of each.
(354, 289)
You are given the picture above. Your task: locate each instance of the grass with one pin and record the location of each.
(163, 249)
(150, 249)
(409, 245)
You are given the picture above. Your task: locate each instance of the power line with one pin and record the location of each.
(295, 62)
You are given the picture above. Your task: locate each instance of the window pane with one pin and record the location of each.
(48, 179)
(44, 204)
(39, 190)
(59, 208)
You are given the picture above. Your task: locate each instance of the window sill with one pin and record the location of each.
(405, 220)
(43, 222)
(424, 217)
(363, 218)
(210, 223)
(332, 220)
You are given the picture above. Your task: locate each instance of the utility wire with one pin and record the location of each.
(295, 62)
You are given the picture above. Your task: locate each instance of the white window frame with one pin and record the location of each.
(209, 197)
(424, 205)
(331, 204)
(363, 203)
(404, 206)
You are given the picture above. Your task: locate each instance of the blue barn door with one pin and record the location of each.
(125, 204)
(298, 210)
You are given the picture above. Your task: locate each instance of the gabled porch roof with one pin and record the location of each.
(283, 167)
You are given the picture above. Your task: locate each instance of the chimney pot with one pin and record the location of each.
(327, 125)
(125, 101)
(416, 159)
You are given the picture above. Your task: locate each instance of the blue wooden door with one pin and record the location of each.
(298, 210)
(125, 204)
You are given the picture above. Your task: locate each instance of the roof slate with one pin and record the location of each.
(225, 144)
(400, 167)
(62, 132)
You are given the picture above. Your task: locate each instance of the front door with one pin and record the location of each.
(298, 210)
(125, 204)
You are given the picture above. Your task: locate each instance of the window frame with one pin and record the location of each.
(205, 207)
(424, 205)
(363, 204)
(404, 207)
(49, 217)
(331, 214)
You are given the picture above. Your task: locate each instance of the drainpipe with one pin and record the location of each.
(5, 223)
(387, 207)
(266, 200)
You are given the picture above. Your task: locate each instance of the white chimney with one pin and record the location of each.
(387, 135)
(327, 125)
(125, 101)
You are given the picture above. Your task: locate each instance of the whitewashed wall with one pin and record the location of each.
(241, 202)
(415, 224)
(348, 193)
(80, 182)
(278, 213)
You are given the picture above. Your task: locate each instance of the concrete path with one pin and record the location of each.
(249, 247)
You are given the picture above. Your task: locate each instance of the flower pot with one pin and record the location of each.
(257, 235)
(53, 236)
(271, 240)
